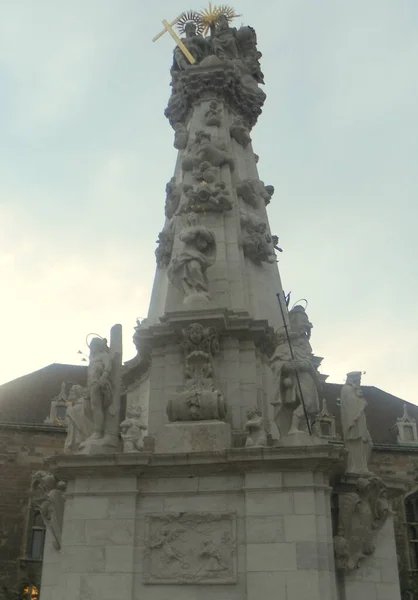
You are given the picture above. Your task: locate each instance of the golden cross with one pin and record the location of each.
(169, 27)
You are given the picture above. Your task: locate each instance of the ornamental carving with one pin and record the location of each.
(204, 150)
(256, 241)
(234, 86)
(165, 245)
(227, 66)
(207, 198)
(132, 431)
(79, 419)
(362, 512)
(181, 136)
(187, 270)
(239, 132)
(213, 116)
(190, 548)
(205, 172)
(254, 192)
(256, 433)
(172, 197)
(47, 496)
(200, 400)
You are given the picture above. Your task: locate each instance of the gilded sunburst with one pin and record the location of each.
(205, 19)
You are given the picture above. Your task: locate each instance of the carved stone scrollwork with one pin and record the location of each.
(254, 192)
(47, 496)
(190, 548)
(204, 150)
(256, 242)
(181, 136)
(165, 245)
(172, 199)
(239, 132)
(213, 116)
(187, 270)
(207, 198)
(200, 401)
(362, 512)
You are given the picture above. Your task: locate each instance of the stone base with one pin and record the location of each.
(105, 445)
(199, 436)
(300, 439)
(242, 524)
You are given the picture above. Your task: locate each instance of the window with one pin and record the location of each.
(37, 537)
(407, 428)
(325, 427)
(411, 512)
(60, 412)
(408, 433)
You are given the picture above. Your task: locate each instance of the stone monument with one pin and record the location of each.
(203, 499)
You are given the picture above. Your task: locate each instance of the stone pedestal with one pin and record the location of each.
(241, 524)
(202, 436)
(377, 577)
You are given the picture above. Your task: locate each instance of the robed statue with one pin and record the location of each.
(187, 270)
(79, 419)
(356, 436)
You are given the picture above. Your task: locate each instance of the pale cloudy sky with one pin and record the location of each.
(86, 152)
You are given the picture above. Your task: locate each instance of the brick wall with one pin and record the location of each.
(22, 451)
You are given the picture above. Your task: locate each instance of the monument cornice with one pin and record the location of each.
(322, 458)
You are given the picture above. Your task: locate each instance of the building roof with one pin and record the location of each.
(382, 411)
(28, 398)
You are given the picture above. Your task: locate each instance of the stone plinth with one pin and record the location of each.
(377, 577)
(367, 562)
(239, 524)
(200, 436)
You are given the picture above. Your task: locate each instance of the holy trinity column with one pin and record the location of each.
(214, 315)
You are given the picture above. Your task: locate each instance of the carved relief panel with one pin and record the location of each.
(190, 548)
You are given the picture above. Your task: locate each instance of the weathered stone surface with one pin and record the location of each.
(190, 548)
(199, 436)
(363, 510)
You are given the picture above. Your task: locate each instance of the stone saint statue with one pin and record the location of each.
(187, 270)
(295, 375)
(194, 43)
(80, 425)
(355, 433)
(103, 393)
(224, 41)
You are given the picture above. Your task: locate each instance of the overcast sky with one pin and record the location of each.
(86, 152)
